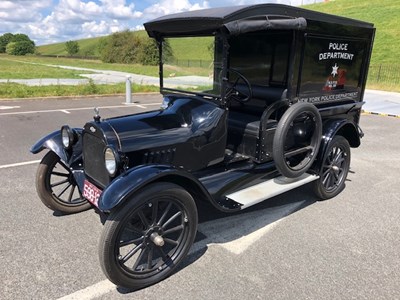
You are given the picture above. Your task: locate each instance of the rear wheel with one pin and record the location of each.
(334, 170)
(145, 239)
(56, 186)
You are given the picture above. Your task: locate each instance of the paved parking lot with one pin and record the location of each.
(290, 247)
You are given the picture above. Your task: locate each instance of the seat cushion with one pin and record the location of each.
(244, 123)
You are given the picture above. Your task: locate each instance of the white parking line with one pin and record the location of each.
(2, 107)
(73, 109)
(65, 111)
(20, 164)
(96, 290)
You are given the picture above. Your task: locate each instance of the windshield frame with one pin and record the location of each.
(222, 74)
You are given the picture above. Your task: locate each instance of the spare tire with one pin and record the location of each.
(297, 139)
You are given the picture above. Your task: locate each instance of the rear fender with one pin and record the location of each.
(124, 186)
(332, 128)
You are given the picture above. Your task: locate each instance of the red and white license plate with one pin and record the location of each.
(91, 193)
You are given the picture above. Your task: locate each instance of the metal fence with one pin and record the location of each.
(388, 74)
(192, 63)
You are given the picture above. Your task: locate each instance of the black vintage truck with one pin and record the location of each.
(276, 107)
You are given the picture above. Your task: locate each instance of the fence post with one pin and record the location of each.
(128, 92)
(379, 73)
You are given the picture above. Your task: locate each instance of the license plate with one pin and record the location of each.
(91, 193)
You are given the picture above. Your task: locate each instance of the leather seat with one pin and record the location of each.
(244, 123)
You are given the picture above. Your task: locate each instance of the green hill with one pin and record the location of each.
(89, 47)
(86, 46)
(385, 14)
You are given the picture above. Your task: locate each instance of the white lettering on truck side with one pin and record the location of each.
(336, 51)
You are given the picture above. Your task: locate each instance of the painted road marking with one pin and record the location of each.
(65, 111)
(237, 233)
(234, 233)
(20, 164)
(74, 109)
(2, 107)
(380, 114)
(91, 292)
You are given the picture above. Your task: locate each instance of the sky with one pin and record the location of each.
(51, 21)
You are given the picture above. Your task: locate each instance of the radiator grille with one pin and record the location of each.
(93, 159)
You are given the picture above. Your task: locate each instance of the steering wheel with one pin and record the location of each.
(233, 92)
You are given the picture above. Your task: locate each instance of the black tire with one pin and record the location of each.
(334, 169)
(145, 239)
(57, 188)
(294, 149)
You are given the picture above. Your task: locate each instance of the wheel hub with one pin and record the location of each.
(335, 169)
(157, 239)
(154, 235)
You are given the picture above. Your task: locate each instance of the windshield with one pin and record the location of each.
(193, 65)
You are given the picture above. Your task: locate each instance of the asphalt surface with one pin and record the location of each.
(290, 247)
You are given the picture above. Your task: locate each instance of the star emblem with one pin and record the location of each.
(334, 70)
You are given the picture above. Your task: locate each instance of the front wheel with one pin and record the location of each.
(56, 186)
(334, 170)
(145, 239)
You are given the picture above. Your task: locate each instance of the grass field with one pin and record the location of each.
(14, 90)
(10, 68)
(88, 63)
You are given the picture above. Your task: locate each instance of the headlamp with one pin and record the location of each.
(111, 161)
(68, 137)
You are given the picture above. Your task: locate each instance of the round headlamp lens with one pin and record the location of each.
(66, 135)
(110, 161)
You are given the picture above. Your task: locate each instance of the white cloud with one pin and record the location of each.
(119, 9)
(22, 11)
(100, 28)
(47, 21)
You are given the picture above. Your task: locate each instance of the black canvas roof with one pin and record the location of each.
(238, 18)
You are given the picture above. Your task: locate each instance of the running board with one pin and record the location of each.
(268, 189)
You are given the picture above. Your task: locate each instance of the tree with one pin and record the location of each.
(149, 53)
(23, 47)
(20, 37)
(72, 47)
(128, 47)
(4, 40)
(121, 47)
(10, 48)
(16, 44)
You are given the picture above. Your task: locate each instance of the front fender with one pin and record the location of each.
(131, 181)
(53, 142)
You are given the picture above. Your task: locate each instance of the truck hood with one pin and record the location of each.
(184, 119)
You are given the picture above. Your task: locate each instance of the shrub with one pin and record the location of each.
(120, 47)
(128, 47)
(72, 47)
(10, 48)
(23, 47)
(4, 40)
(18, 44)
